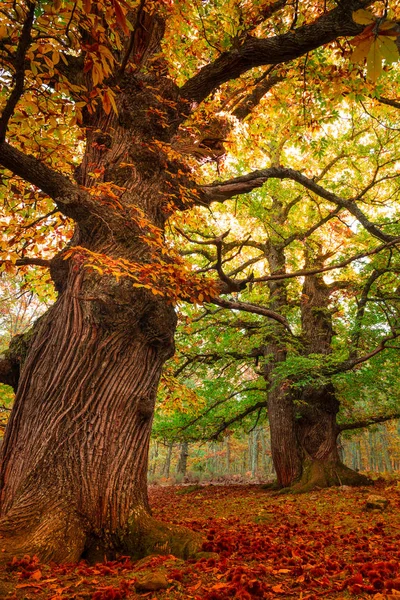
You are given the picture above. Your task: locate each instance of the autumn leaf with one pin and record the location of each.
(374, 61)
(363, 17)
(120, 16)
(388, 49)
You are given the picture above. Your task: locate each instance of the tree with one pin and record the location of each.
(105, 101)
(324, 301)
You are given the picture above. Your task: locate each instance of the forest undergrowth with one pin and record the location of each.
(324, 544)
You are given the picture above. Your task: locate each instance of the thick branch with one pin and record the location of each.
(9, 371)
(252, 308)
(388, 102)
(283, 48)
(246, 105)
(219, 192)
(368, 422)
(68, 197)
(38, 262)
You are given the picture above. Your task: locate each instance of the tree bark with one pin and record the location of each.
(182, 462)
(74, 458)
(303, 423)
(75, 483)
(317, 433)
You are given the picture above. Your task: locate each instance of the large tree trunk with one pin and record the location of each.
(303, 425)
(317, 433)
(73, 473)
(74, 459)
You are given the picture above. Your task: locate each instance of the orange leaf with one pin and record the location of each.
(120, 17)
(36, 575)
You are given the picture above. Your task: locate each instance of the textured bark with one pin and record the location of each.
(303, 423)
(74, 458)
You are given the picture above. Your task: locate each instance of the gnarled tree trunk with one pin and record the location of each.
(74, 458)
(75, 483)
(303, 426)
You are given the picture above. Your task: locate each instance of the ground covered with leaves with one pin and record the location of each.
(324, 544)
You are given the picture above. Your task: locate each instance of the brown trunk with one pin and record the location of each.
(284, 444)
(303, 425)
(73, 474)
(74, 460)
(281, 413)
(317, 433)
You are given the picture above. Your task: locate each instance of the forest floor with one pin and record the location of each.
(324, 544)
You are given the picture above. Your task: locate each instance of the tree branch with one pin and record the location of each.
(221, 191)
(388, 102)
(252, 308)
(38, 262)
(368, 422)
(19, 63)
(236, 418)
(70, 200)
(246, 104)
(255, 52)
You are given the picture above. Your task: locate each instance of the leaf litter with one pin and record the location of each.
(258, 544)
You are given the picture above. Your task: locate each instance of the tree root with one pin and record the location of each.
(156, 537)
(319, 475)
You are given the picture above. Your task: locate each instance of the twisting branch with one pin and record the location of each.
(362, 305)
(256, 52)
(238, 417)
(249, 102)
(318, 270)
(252, 308)
(221, 191)
(349, 364)
(19, 64)
(70, 200)
(218, 403)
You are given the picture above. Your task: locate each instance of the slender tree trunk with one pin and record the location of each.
(182, 462)
(228, 454)
(167, 464)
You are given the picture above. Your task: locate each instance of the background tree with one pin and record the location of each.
(103, 103)
(327, 303)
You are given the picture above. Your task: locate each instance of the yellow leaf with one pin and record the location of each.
(361, 50)
(106, 103)
(96, 268)
(112, 100)
(388, 49)
(374, 62)
(363, 17)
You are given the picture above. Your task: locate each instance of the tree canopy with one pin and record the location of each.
(157, 154)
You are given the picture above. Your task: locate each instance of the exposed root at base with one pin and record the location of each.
(155, 537)
(319, 475)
